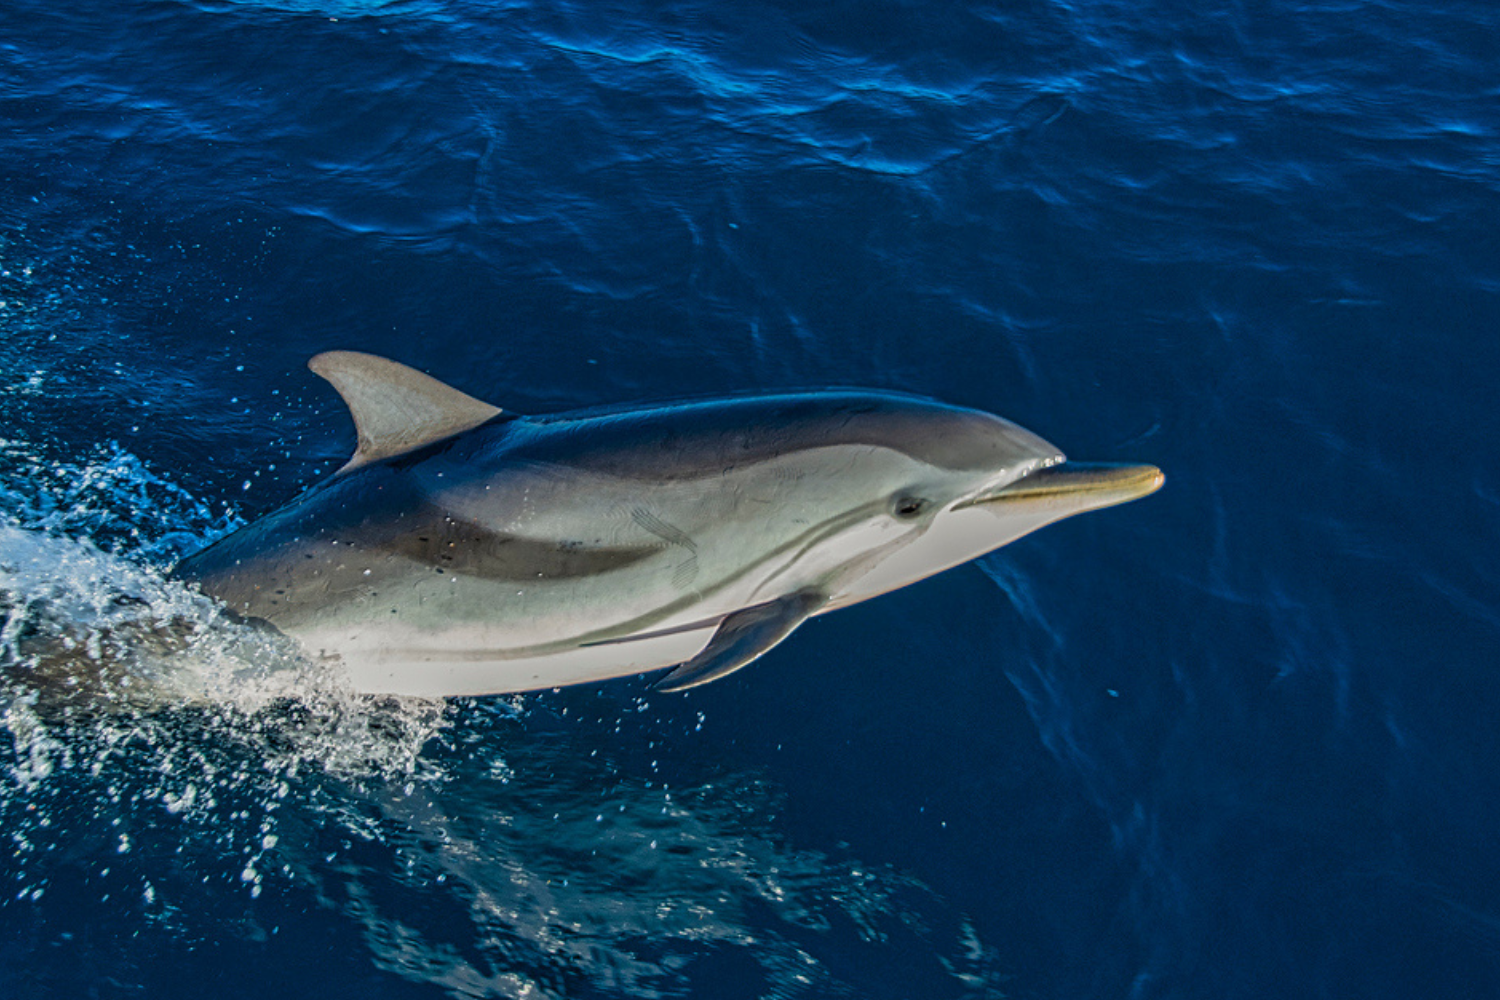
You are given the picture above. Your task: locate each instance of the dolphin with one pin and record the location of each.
(466, 550)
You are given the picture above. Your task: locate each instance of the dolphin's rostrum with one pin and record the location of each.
(465, 550)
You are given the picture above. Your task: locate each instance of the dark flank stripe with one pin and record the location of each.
(472, 550)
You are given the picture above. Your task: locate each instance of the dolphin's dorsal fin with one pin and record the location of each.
(396, 409)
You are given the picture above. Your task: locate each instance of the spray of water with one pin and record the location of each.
(124, 693)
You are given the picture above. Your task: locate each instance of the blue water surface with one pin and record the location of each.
(1235, 740)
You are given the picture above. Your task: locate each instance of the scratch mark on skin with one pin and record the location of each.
(687, 570)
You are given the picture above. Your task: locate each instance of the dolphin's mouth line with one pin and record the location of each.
(1089, 485)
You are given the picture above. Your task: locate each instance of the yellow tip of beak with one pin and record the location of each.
(1072, 487)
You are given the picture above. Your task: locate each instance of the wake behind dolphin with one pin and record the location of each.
(465, 550)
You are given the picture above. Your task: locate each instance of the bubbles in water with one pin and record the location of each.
(123, 691)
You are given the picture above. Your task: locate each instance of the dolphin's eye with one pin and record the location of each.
(909, 507)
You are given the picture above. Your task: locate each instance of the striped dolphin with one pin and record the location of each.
(464, 550)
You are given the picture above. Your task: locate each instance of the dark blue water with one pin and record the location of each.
(1235, 740)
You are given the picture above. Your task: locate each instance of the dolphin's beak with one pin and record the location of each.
(1071, 488)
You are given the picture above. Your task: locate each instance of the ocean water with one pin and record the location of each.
(1238, 739)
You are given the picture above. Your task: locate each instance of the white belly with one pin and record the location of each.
(388, 661)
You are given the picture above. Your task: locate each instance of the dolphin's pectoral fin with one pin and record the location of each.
(396, 409)
(743, 637)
